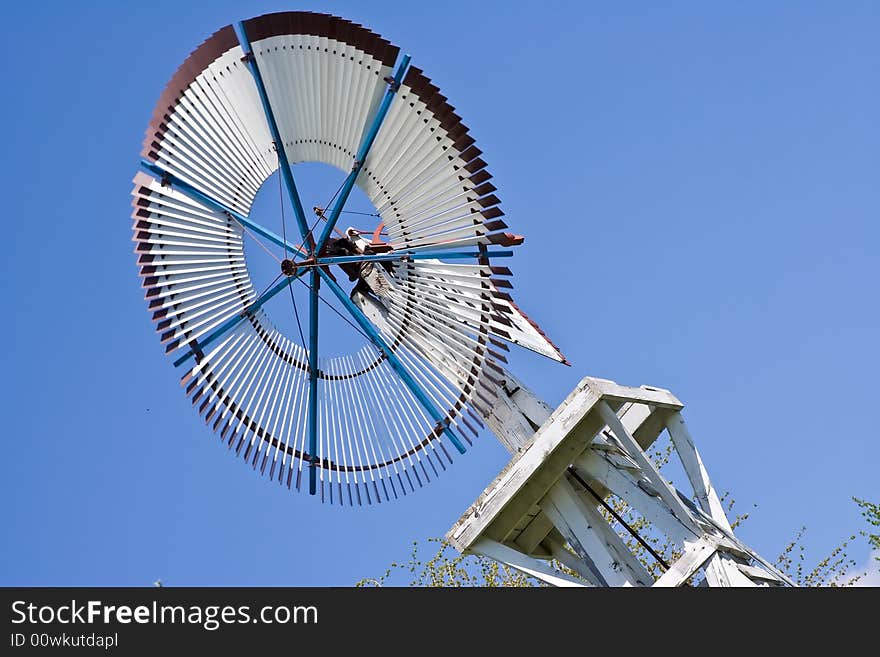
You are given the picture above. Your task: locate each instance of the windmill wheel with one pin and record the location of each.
(423, 293)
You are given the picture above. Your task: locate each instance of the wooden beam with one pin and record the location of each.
(530, 474)
(533, 408)
(523, 563)
(572, 561)
(696, 472)
(720, 570)
(611, 391)
(648, 468)
(723, 566)
(535, 532)
(625, 486)
(758, 573)
(589, 533)
(569, 538)
(695, 555)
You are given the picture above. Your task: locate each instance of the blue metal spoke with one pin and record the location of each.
(367, 140)
(313, 379)
(201, 197)
(405, 255)
(234, 321)
(283, 162)
(393, 360)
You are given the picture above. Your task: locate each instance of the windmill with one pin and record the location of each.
(426, 295)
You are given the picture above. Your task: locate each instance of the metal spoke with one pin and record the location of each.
(234, 321)
(313, 378)
(364, 150)
(393, 360)
(283, 162)
(281, 208)
(195, 194)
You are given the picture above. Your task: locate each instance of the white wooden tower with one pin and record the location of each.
(548, 502)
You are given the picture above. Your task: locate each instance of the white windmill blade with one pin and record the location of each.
(295, 87)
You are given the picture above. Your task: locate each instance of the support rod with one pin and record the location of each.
(406, 255)
(283, 162)
(632, 532)
(366, 143)
(394, 361)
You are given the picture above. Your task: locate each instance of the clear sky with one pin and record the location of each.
(698, 187)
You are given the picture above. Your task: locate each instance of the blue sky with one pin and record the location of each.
(698, 189)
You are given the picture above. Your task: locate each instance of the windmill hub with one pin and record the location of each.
(288, 267)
